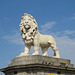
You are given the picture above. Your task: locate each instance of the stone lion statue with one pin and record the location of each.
(32, 37)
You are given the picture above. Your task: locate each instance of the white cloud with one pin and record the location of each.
(66, 32)
(73, 17)
(69, 18)
(16, 38)
(47, 26)
(63, 38)
(73, 13)
(69, 32)
(66, 41)
(6, 19)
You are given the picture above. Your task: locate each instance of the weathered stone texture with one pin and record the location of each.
(39, 65)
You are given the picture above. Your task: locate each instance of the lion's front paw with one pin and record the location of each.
(56, 57)
(35, 54)
(23, 54)
(44, 55)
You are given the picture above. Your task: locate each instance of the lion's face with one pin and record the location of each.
(29, 28)
(27, 22)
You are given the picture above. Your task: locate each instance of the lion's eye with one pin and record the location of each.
(30, 19)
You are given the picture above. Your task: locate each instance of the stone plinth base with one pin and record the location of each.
(39, 65)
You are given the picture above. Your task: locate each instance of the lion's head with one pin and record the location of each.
(29, 28)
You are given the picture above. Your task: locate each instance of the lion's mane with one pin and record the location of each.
(28, 34)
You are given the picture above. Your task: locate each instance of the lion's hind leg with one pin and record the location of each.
(56, 52)
(44, 51)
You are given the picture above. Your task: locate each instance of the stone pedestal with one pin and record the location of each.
(39, 65)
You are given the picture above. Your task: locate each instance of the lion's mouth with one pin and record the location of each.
(27, 27)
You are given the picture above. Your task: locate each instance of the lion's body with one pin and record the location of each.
(32, 37)
(44, 40)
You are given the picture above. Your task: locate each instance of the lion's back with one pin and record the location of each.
(46, 40)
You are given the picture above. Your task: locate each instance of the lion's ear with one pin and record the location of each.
(29, 15)
(25, 14)
(33, 18)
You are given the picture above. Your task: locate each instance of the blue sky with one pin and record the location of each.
(54, 17)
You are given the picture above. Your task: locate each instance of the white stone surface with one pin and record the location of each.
(32, 37)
